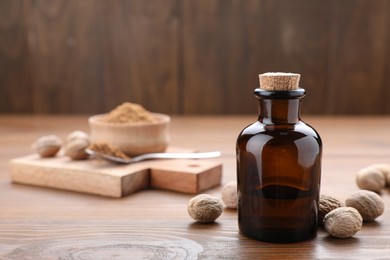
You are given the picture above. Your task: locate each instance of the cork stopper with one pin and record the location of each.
(279, 81)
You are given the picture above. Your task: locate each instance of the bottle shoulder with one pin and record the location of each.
(294, 131)
(308, 130)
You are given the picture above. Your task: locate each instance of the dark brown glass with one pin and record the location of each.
(278, 171)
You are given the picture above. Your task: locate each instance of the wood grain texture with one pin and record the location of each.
(187, 176)
(358, 44)
(38, 223)
(93, 177)
(141, 54)
(191, 57)
(15, 80)
(99, 177)
(121, 239)
(65, 41)
(220, 41)
(294, 37)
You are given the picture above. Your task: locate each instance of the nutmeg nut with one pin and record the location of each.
(327, 204)
(229, 195)
(384, 169)
(369, 204)
(343, 222)
(75, 149)
(77, 135)
(205, 208)
(75, 145)
(47, 146)
(371, 178)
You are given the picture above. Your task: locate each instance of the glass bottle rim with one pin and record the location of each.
(284, 94)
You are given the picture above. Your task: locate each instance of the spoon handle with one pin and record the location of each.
(155, 156)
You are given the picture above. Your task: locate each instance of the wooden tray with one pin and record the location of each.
(96, 176)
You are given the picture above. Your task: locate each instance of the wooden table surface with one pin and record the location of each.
(41, 223)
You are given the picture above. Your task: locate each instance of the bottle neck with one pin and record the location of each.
(279, 107)
(279, 111)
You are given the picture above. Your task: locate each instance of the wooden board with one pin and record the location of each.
(103, 178)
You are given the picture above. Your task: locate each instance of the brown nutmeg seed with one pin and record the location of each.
(343, 222)
(205, 208)
(47, 146)
(75, 145)
(229, 195)
(77, 135)
(369, 204)
(371, 178)
(384, 169)
(75, 149)
(327, 204)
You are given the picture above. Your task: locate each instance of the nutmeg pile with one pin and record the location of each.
(340, 219)
(344, 220)
(74, 146)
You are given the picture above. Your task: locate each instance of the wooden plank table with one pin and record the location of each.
(41, 223)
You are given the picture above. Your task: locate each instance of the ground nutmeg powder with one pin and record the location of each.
(129, 113)
(107, 149)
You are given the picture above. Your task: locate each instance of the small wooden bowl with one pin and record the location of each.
(132, 138)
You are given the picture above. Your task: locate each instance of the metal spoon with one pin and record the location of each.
(148, 156)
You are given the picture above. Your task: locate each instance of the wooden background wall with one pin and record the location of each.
(191, 56)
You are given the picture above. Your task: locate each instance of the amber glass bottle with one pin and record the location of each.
(278, 171)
